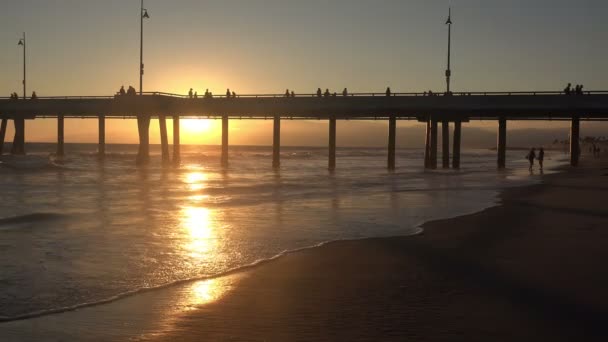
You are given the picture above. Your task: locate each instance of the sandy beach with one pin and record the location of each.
(529, 269)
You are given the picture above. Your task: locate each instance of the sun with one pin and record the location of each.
(197, 125)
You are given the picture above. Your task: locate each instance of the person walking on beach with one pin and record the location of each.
(541, 157)
(531, 155)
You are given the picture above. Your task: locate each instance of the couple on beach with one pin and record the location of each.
(532, 155)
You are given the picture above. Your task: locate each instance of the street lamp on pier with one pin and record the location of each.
(22, 43)
(143, 15)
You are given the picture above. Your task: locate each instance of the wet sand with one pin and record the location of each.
(532, 268)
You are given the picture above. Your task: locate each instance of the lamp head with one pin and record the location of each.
(20, 42)
(145, 15)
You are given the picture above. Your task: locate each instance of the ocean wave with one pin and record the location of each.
(3, 319)
(28, 218)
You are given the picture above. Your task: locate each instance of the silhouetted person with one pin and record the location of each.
(122, 91)
(568, 89)
(388, 91)
(531, 156)
(196, 94)
(319, 93)
(190, 93)
(430, 93)
(234, 94)
(293, 94)
(227, 93)
(334, 94)
(541, 157)
(326, 94)
(34, 96)
(286, 92)
(580, 89)
(345, 92)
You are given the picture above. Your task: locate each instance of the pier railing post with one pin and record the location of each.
(456, 143)
(332, 144)
(2, 134)
(574, 141)
(392, 128)
(433, 151)
(224, 140)
(276, 142)
(502, 143)
(164, 140)
(101, 148)
(176, 141)
(60, 135)
(445, 144)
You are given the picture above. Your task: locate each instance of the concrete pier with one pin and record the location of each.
(427, 145)
(101, 146)
(224, 140)
(176, 143)
(456, 144)
(445, 144)
(332, 144)
(433, 145)
(392, 132)
(18, 147)
(60, 135)
(164, 140)
(276, 142)
(2, 134)
(501, 147)
(575, 149)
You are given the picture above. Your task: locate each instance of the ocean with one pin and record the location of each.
(79, 232)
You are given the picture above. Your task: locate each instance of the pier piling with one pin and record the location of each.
(143, 125)
(18, 147)
(224, 140)
(176, 143)
(101, 146)
(392, 128)
(427, 145)
(60, 135)
(276, 142)
(332, 144)
(433, 147)
(575, 149)
(2, 134)
(502, 143)
(164, 140)
(445, 144)
(456, 143)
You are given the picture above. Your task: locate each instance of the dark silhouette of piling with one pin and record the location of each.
(224, 158)
(164, 140)
(2, 134)
(18, 147)
(433, 151)
(502, 143)
(456, 144)
(276, 142)
(101, 147)
(176, 143)
(392, 128)
(574, 138)
(445, 142)
(332, 144)
(60, 135)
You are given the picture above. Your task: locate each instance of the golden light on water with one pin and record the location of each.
(200, 227)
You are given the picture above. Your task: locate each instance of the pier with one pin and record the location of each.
(455, 109)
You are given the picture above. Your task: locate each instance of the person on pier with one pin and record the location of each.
(345, 92)
(196, 94)
(191, 93)
(568, 89)
(531, 156)
(233, 94)
(34, 96)
(326, 94)
(319, 93)
(388, 91)
(207, 93)
(293, 93)
(122, 91)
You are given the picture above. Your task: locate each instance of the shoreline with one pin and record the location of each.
(136, 304)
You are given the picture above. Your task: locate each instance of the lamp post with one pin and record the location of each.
(22, 43)
(448, 71)
(143, 15)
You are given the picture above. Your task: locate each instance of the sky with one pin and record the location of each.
(87, 47)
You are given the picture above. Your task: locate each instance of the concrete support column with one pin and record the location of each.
(143, 125)
(456, 143)
(164, 140)
(276, 142)
(332, 144)
(427, 145)
(2, 134)
(392, 130)
(575, 149)
(101, 147)
(433, 145)
(19, 138)
(445, 144)
(502, 143)
(225, 140)
(176, 146)
(60, 135)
